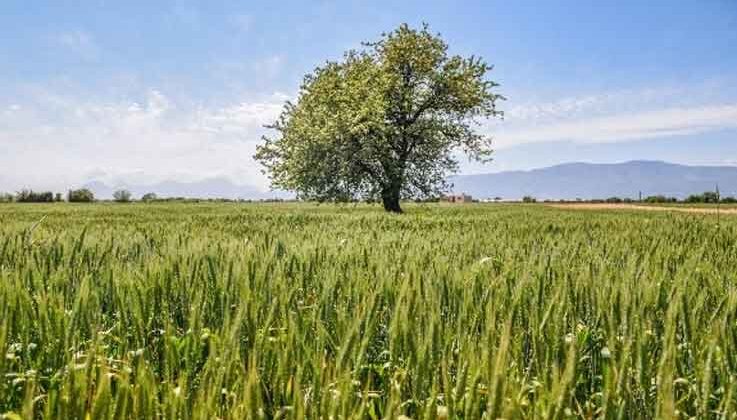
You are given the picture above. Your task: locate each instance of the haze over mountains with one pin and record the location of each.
(566, 181)
(206, 188)
(591, 181)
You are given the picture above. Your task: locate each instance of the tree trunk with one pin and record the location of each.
(390, 197)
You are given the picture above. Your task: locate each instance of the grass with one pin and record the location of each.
(694, 205)
(288, 311)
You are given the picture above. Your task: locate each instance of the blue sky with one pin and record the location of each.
(143, 91)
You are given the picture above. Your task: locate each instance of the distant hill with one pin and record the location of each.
(206, 188)
(566, 181)
(589, 181)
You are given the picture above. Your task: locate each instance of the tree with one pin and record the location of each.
(149, 197)
(30, 196)
(383, 123)
(660, 199)
(122, 196)
(706, 197)
(82, 195)
(711, 196)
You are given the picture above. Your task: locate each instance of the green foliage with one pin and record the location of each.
(660, 199)
(122, 196)
(529, 199)
(6, 198)
(383, 123)
(706, 197)
(82, 195)
(30, 196)
(149, 197)
(231, 311)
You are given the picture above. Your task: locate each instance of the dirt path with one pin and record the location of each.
(610, 206)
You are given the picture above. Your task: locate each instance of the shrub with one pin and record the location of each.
(729, 200)
(529, 199)
(707, 197)
(711, 197)
(82, 195)
(30, 196)
(6, 198)
(660, 199)
(122, 196)
(149, 197)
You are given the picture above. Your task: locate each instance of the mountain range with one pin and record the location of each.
(592, 181)
(566, 181)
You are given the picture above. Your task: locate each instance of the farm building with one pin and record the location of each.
(458, 198)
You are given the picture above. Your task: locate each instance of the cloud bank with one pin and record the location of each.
(59, 141)
(624, 127)
(55, 140)
(615, 117)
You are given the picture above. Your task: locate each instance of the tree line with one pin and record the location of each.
(84, 195)
(81, 195)
(707, 197)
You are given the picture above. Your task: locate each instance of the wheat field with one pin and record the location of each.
(230, 311)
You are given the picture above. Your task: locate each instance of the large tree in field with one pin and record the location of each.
(384, 123)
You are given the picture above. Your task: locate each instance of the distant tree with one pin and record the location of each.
(382, 123)
(706, 197)
(614, 200)
(30, 196)
(729, 200)
(6, 198)
(82, 195)
(122, 196)
(58, 197)
(711, 197)
(660, 199)
(149, 197)
(529, 199)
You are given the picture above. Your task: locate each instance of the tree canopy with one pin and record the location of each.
(383, 123)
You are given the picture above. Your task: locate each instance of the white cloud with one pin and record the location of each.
(80, 43)
(625, 127)
(54, 140)
(240, 118)
(269, 67)
(243, 22)
(60, 140)
(613, 117)
(185, 15)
